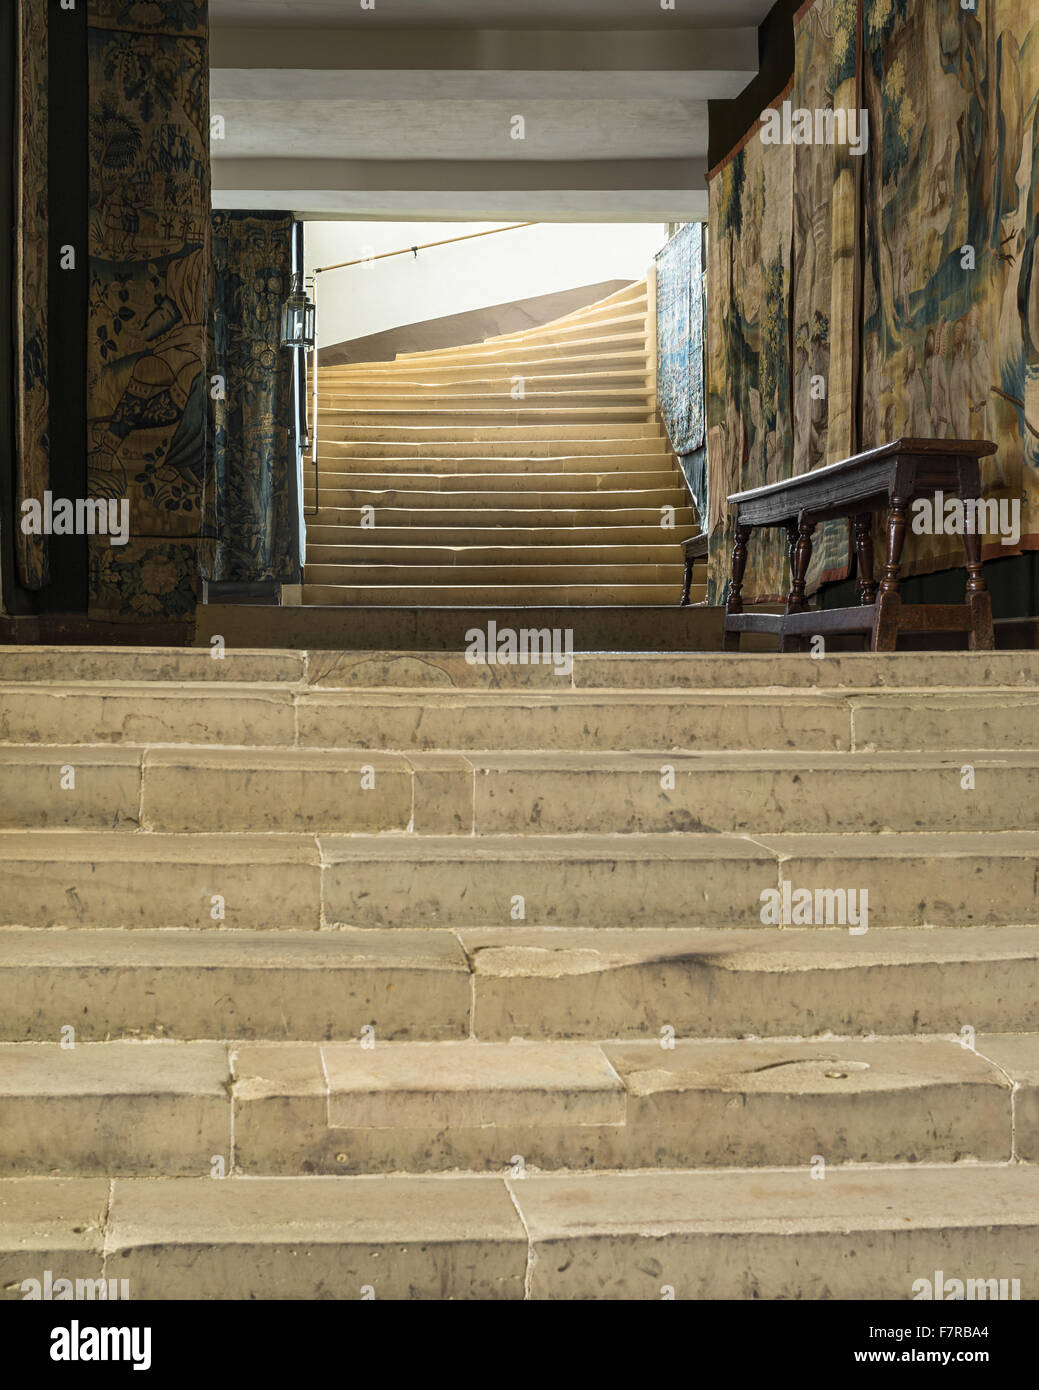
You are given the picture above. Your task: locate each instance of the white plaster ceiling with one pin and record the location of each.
(461, 130)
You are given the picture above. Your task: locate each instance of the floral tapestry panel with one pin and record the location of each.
(149, 271)
(253, 522)
(680, 345)
(187, 18)
(32, 387)
(951, 204)
(145, 579)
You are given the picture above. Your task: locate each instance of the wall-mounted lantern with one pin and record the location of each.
(297, 317)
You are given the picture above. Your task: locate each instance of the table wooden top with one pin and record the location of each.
(953, 449)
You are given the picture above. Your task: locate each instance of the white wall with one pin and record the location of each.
(445, 280)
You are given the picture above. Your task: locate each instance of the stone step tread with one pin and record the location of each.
(459, 539)
(554, 432)
(335, 467)
(517, 950)
(381, 552)
(949, 676)
(761, 1233)
(568, 762)
(641, 1070)
(214, 847)
(497, 983)
(465, 596)
(376, 1084)
(369, 396)
(481, 382)
(594, 484)
(513, 413)
(164, 1107)
(365, 573)
(483, 518)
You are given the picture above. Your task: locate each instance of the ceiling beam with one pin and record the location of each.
(723, 57)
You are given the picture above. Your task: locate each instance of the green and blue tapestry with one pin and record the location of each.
(824, 329)
(680, 338)
(951, 284)
(749, 403)
(249, 495)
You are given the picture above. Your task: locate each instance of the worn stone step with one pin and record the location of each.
(165, 1107)
(744, 1234)
(336, 464)
(284, 789)
(101, 879)
(268, 881)
(946, 880)
(313, 1238)
(616, 401)
(608, 720)
(568, 719)
(340, 450)
(65, 787)
(570, 537)
(139, 712)
(606, 329)
(877, 1233)
(480, 382)
(500, 595)
(655, 493)
(513, 484)
(986, 674)
(639, 514)
(520, 793)
(378, 551)
(280, 715)
(509, 982)
(392, 418)
(944, 676)
(191, 984)
(752, 792)
(484, 1106)
(65, 665)
(592, 437)
(623, 362)
(113, 1108)
(605, 982)
(503, 576)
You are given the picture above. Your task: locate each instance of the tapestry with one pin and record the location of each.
(32, 390)
(249, 512)
(680, 326)
(825, 205)
(148, 141)
(951, 285)
(749, 406)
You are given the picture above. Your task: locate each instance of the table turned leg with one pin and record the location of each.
(734, 603)
(687, 584)
(864, 552)
(800, 558)
(887, 623)
(982, 634)
(739, 566)
(896, 534)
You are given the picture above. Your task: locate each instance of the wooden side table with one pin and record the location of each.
(885, 479)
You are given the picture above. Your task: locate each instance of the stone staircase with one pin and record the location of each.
(530, 469)
(396, 975)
